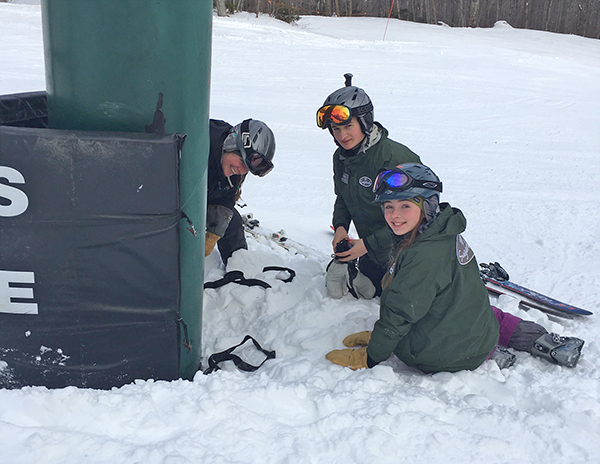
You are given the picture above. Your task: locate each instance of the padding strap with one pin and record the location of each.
(215, 359)
(352, 273)
(159, 120)
(291, 272)
(238, 278)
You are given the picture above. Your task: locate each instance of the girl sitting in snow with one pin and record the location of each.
(435, 313)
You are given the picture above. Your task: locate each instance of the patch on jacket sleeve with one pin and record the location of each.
(464, 253)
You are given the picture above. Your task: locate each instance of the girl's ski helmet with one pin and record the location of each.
(410, 181)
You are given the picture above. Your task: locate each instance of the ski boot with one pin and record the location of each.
(564, 351)
(503, 357)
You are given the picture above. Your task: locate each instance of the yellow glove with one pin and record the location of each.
(357, 339)
(209, 243)
(354, 359)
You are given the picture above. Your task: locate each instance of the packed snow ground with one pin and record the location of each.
(507, 118)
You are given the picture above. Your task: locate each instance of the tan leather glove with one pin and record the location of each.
(209, 243)
(354, 359)
(357, 339)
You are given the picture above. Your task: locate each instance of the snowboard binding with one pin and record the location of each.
(249, 221)
(494, 271)
(564, 351)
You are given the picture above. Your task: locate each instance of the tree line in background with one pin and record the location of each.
(581, 17)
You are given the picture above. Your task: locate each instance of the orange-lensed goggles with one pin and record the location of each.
(337, 114)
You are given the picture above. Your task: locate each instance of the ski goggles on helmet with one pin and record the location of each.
(398, 180)
(337, 114)
(257, 163)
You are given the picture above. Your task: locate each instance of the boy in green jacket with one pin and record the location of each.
(363, 149)
(435, 313)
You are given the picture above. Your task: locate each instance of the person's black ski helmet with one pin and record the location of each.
(357, 100)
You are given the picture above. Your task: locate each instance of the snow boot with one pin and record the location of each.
(564, 351)
(503, 357)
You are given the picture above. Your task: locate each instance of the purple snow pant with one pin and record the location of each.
(517, 333)
(508, 324)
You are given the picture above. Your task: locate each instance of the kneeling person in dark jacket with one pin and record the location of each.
(234, 151)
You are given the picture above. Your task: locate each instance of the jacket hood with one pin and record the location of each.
(449, 223)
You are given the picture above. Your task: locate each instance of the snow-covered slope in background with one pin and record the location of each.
(507, 118)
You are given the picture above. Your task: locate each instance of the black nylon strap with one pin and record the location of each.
(238, 278)
(291, 272)
(226, 355)
(352, 273)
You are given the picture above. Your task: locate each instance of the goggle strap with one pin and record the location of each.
(382, 185)
(245, 133)
(361, 109)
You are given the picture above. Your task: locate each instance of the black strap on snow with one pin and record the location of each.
(237, 277)
(291, 272)
(227, 355)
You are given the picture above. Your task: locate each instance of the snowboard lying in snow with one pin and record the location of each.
(497, 282)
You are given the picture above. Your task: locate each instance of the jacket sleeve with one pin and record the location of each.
(341, 214)
(379, 245)
(408, 300)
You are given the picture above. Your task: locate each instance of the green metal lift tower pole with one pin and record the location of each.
(107, 61)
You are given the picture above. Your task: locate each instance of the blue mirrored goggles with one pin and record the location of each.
(398, 180)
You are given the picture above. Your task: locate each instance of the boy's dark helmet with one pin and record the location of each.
(357, 100)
